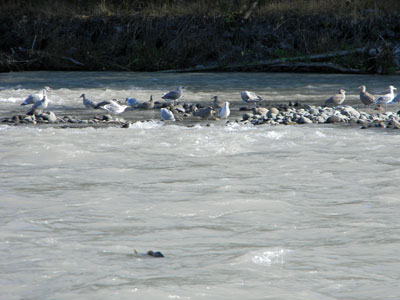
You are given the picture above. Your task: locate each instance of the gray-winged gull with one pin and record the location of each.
(365, 97)
(250, 97)
(87, 103)
(167, 115)
(114, 108)
(217, 103)
(387, 98)
(174, 95)
(337, 99)
(33, 98)
(39, 105)
(395, 99)
(224, 112)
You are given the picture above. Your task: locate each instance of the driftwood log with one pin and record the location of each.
(285, 63)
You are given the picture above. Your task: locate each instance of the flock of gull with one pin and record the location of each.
(40, 102)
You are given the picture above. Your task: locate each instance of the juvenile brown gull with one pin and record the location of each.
(217, 103)
(365, 97)
(337, 99)
(147, 105)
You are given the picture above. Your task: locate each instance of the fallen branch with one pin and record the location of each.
(74, 61)
(278, 61)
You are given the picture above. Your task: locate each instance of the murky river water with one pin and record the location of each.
(281, 212)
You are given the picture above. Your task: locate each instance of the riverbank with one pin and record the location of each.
(236, 39)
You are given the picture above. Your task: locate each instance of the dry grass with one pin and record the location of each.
(340, 8)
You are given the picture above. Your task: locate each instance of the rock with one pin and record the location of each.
(333, 119)
(304, 120)
(262, 111)
(247, 116)
(49, 116)
(107, 118)
(350, 112)
(274, 111)
(29, 119)
(72, 120)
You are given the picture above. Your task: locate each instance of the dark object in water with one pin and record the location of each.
(155, 254)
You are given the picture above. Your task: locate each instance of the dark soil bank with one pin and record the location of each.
(369, 44)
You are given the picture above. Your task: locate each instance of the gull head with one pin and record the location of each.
(363, 88)
(82, 96)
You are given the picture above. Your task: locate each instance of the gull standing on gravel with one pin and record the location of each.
(114, 108)
(224, 112)
(387, 98)
(87, 103)
(250, 97)
(39, 106)
(217, 104)
(365, 97)
(132, 102)
(337, 99)
(167, 115)
(174, 95)
(33, 98)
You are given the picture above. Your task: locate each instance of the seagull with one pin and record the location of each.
(167, 115)
(217, 104)
(365, 97)
(250, 97)
(39, 106)
(105, 102)
(147, 105)
(204, 113)
(174, 95)
(387, 98)
(114, 108)
(33, 98)
(224, 112)
(395, 99)
(87, 103)
(337, 99)
(132, 102)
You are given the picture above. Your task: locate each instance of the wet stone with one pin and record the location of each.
(333, 119)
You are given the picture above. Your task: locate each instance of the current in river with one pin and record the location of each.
(239, 212)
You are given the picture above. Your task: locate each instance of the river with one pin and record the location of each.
(239, 212)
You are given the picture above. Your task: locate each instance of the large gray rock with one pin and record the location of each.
(350, 112)
(49, 116)
(304, 120)
(333, 119)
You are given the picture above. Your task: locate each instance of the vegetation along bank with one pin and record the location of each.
(347, 36)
